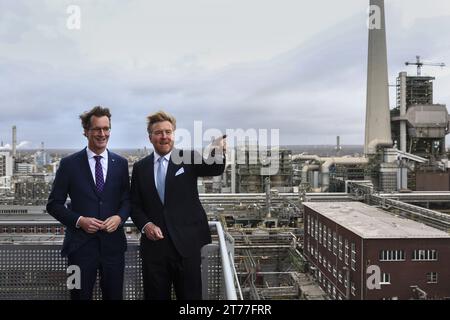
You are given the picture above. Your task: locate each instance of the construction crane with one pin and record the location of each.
(420, 64)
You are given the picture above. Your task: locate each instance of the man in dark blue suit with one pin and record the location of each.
(167, 209)
(97, 182)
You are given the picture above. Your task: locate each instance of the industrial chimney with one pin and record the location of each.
(14, 141)
(378, 126)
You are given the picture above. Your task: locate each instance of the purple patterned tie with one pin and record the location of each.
(99, 181)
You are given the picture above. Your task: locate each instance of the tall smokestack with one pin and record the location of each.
(378, 125)
(338, 146)
(14, 141)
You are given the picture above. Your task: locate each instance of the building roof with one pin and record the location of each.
(21, 209)
(35, 239)
(27, 218)
(33, 219)
(373, 223)
(43, 239)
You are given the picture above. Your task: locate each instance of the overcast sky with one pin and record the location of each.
(296, 66)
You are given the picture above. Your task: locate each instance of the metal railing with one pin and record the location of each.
(35, 270)
(230, 279)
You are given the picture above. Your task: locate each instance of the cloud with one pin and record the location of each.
(20, 145)
(6, 147)
(24, 144)
(312, 92)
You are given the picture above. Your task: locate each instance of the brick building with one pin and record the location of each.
(346, 243)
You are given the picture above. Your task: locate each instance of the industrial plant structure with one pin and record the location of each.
(371, 226)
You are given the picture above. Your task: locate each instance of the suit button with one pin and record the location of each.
(101, 202)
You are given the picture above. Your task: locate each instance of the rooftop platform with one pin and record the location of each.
(373, 223)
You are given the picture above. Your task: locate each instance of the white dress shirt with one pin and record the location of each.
(103, 161)
(165, 164)
(91, 160)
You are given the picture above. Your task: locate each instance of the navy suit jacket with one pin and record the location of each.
(182, 216)
(74, 179)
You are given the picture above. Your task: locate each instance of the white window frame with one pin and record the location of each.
(392, 255)
(329, 240)
(432, 277)
(308, 229)
(385, 278)
(320, 233)
(324, 236)
(335, 243)
(315, 228)
(353, 289)
(346, 252)
(425, 255)
(353, 256)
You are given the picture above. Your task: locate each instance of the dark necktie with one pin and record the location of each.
(161, 179)
(99, 181)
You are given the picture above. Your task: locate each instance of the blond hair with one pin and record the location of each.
(159, 117)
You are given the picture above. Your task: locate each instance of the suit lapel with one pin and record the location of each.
(170, 175)
(111, 168)
(149, 175)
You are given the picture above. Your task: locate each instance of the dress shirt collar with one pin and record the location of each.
(157, 156)
(91, 154)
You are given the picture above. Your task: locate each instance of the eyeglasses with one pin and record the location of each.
(99, 130)
(161, 132)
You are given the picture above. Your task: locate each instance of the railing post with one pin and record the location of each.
(226, 264)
